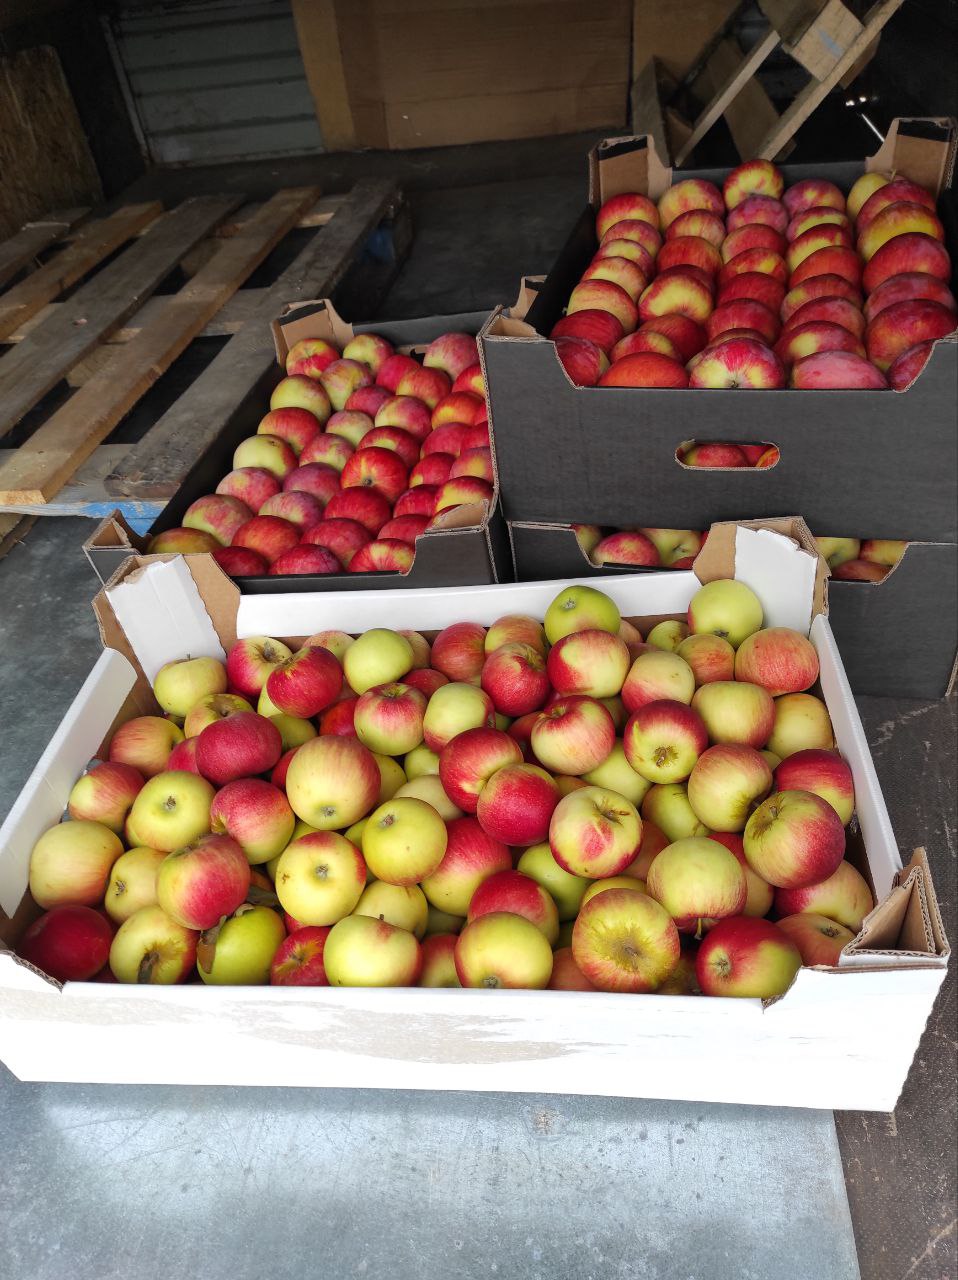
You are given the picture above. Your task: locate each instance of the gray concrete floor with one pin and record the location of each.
(102, 1181)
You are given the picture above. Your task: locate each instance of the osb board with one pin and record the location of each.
(45, 161)
(415, 73)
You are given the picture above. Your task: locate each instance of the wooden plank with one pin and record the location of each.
(85, 495)
(750, 115)
(12, 529)
(156, 466)
(91, 246)
(728, 90)
(646, 114)
(52, 454)
(816, 90)
(32, 238)
(33, 368)
(318, 32)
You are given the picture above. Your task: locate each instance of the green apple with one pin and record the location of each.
(150, 947)
(132, 882)
(442, 922)
(71, 864)
(668, 635)
(428, 787)
(320, 878)
(179, 685)
(697, 878)
(580, 609)
(667, 806)
(836, 551)
(239, 952)
(379, 656)
(503, 950)
(802, 723)
(567, 890)
(421, 760)
(404, 906)
(337, 642)
(171, 810)
(391, 777)
(617, 774)
(454, 708)
(612, 882)
(363, 952)
(726, 608)
(293, 730)
(404, 841)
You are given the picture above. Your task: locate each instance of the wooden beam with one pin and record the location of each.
(32, 238)
(729, 89)
(816, 90)
(36, 365)
(318, 34)
(90, 247)
(52, 454)
(156, 466)
(750, 114)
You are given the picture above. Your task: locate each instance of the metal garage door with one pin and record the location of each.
(214, 80)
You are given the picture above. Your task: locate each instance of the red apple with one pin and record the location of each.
(779, 659)
(680, 292)
(383, 555)
(514, 676)
(754, 286)
(105, 794)
(838, 311)
(298, 962)
(696, 222)
(761, 209)
(691, 193)
(715, 455)
(843, 896)
(342, 537)
(459, 406)
(910, 286)
(742, 313)
(591, 662)
(594, 832)
(471, 857)
(238, 746)
(302, 391)
(332, 450)
(902, 325)
(663, 740)
(819, 940)
(747, 957)
(468, 761)
(69, 943)
(755, 235)
(366, 506)
(305, 684)
(815, 216)
(903, 371)
(367, 400)
(593, 324)
(202, 882)
(643, 340)
(752, 178)
(822, 286)
(627, 273)
(406, 412)
(256, 815)
(145, 742)
(250, 661)
(794, 839)
(836, 371)
(812, 193)
(428, 385)
(251, 485)
(516, 804)
(629, 205)
(458, 651)
(735, 711)
(393, 368)
(825, 774)
(648, 369)
(822, 236)
(764, 261)
(520, 895)
(685, 333)
(270, 536)
(573, 735)
(308, 347)
(691, 251)
(738, 363)
(314, 478)
(860, 571)
(418, 501)
(839, 260)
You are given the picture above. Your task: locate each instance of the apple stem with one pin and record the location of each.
(698, 929)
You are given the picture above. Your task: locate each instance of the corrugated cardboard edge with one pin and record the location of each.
(908, 922)
(113, 532)
(717, 557)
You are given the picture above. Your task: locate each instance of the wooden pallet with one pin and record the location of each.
(111, 339)
(826, 39)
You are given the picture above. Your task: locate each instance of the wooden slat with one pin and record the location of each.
(33, 368)
(727, 92)
(156, 466)
(795, 116)
(32, 238)
(750, 114)
(85, 494)
(12, 529)
(91, 246)
(53, 453)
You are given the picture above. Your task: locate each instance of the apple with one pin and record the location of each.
(573, 735)
(592, 324)
(432, 471)
(203, 881)
(342, 537)
(250, 661)
(709, 658)
(627, 546)
(515, 628)
(320, 878)
(908, 287)
(270, 536)
(405, 907)
(420, 500)
(452, 353)
(471, 856)
(836, 371)
(743, 313)
(171, 810)
(240, 562)
(377, 657)
(580, 608)
(420, 761)
(70, 943)
(802, 723)
(624, 270)
(663, 740)
(518, 894)
(591, 662)
(444, 439)
(238, 746)
(822, 236)
(738, 363)
(469, 760)
(822, 772)
(725, 608)
(736, 712)
(369, 349)
(655, 675)
(905, 369)
(566, 974)
(759, 893)
(613, 882)
(751, 286)
(614, 251)
(629, 205)
(594, 832)
(105, 794)
(389, 718)
(779, 659)
(696, 878)
(583, 361)
(516, 805)
(754, 235)
(207, 710)
(752, 178)
(563, 888)
(691, 193)
(392, 369)
(726, 784)
(341, 378)
(886, 551)
(311, 347)
(439, 961)
(715, 455)
(457, 492)
(830, 260)
(300, 508)
(685, 333)
(812, 193)
(666, 805)
(615, 773)
(643, 340)
(745, 956)
(902, 325)
(180, 684)
(132, 883)
(758, 209)
(694, 222)
(452, 709)
(363, 952)
(150, 947)
(803, 340)
(644, 233)
(268, 453)
(306, 683)
(820, 941)
(342, 437)
(862, 188)
(690, 251)
(404, 841)
(844, 896)
(860, 571)
(332, 782)
(425, 680)
(145, 743)
(458, 651)
(836, 551)
(428, 787)
(816, 288)
(395, 439)
(217, 514)
(794, 839)
(501, 949)
(428, 385)
(240, 951)
(181, 542)
(365, 506)
(306, 560)
(623, 940)
(256, 815)
(298, 961)
(678, 293)
(901, 218)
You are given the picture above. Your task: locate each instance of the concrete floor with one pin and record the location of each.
(100, 1182)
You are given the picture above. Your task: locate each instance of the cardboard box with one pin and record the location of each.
(468, 549)
(855, 463)
(840, 1037)
(875, 623)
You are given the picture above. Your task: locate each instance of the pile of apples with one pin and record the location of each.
(557, 804)
(759, 286)
(361, 451)
(850, 559)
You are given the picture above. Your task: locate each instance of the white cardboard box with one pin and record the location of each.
(842, 1037)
